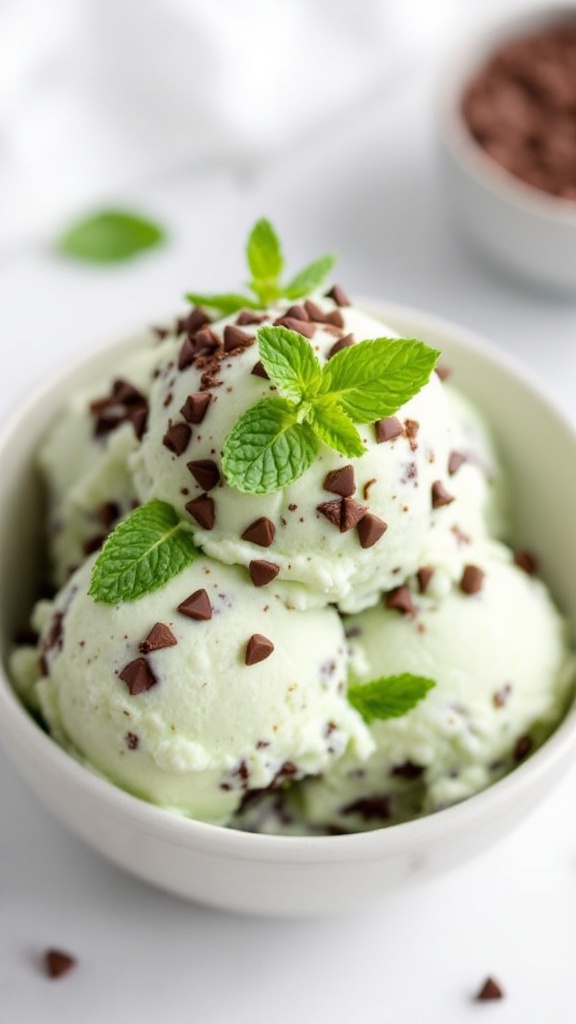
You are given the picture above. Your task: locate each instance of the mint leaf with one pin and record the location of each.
(289, 361)
(110, 236)
(310, 278)
(228, 302)
(263, 252)
(268, 448)
(389, 696)
(144, 551)
(331, 424)
(374, 378)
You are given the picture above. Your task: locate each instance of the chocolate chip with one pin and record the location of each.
(297, 313)
(235, 337)
(248, 316)
(490, 989)
(346, 342)
(131, 740)
(258, 649)
(338, 295)
(92, 544)
(424, 575)
(177, 437)
(197, 606)
(205, 473)
(138, 676)
(108, 513)
(412, 427)
(341, 481)
(370, 808)
(472, 580)
(259, 371)
(262, 572)
(408, 770)
(442, 371)
(303, 327)
(400, 599)
(260, 532)
(318, 315)
(139, 419)
(440, 495)
(523, 748)
(387, 429)
(202, 510)
(57, 962)
(455, 460)
(195, 406)
(370, 529)
(527, 561)
(160, 636)
(345, 513)
(186, 355)
(196, 319)
(500, 698)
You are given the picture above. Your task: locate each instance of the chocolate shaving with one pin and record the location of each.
(258, 649)
(132, 741)
(408, 770)
(341, 481)
(400, 599)
(523, 748)
(440, 495)
(387, 429)
(197, 606)
(472, 580)
(160, 636)
(205, 473)
(138, 676)
(195, 406)
(177, 438)
(262, 572)
(370, 529)
(202, 510)
(370, 808)
(260, 532)
(57, 963)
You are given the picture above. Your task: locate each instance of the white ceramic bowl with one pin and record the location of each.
(529, 233)
(297, 875)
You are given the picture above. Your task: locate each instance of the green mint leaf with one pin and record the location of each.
(389, 696)
(268, 448)
(224, 304)
(374, 378)
(263, 252)
(110, 236)
(310, 278)
(289, 361)
(144, 551)
(334, 427)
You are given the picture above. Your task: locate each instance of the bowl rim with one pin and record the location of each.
(20, 731)
(459, 68)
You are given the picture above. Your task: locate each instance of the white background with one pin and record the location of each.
(365, 185)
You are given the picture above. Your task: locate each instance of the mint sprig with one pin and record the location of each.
(275, 441)
(388, 696)
(145, 550)
(110, 236)
(266, 264)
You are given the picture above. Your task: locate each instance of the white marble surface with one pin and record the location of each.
(367, 188)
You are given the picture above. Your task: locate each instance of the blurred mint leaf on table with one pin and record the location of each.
(388, 696)
(145, 550)
(110, 236)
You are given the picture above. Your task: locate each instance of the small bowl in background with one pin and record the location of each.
(296, 875)
(527, 231)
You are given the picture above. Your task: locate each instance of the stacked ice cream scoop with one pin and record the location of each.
(223, 693)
